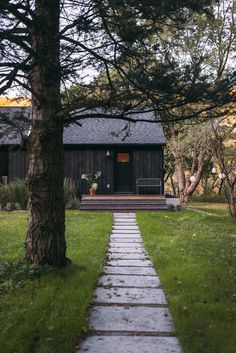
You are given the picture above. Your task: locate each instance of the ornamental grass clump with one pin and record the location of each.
(70, 188)
(13, 195)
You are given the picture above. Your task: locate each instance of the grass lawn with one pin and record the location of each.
(194, 254)
(47, 313)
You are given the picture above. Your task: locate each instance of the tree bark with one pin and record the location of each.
(45, 241)
(179, 169)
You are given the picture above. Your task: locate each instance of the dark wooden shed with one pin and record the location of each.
(124, 152)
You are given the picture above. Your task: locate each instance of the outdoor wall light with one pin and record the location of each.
(192, 178)
(108, 154)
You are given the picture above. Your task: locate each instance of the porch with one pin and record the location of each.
(124, 202)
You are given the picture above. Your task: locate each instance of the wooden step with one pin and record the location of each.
(123, 202)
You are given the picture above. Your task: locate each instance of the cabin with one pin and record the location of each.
(129, 156)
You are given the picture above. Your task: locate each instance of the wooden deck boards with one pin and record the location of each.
(123, 202)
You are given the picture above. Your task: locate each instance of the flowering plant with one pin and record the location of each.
(91, 178)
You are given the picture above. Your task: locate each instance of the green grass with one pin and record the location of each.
(194, 254)
(48, 314)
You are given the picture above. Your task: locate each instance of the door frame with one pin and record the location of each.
(123, 150)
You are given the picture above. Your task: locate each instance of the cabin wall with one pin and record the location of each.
(17, 164)
(83, 161)
(147, 163)
(3, 162)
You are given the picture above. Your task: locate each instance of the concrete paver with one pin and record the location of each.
(129, 270)
(126, 240)
(125, 245)
(127, 256)
(124, 250)
(129, 281)
(126, 344)
(138, 263)
(130, 296)
(135, 319)
(125, 231)
(124, 235)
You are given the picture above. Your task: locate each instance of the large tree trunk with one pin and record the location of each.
(45, 242)
(185, 186)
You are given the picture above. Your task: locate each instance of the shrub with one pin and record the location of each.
(19, 193)
(174, 208)
(16, 192)
(6, 195)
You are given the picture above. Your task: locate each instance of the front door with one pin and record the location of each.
(123, 172)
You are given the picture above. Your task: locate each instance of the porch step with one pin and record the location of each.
(123, 202)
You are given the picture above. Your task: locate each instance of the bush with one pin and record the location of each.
(174, 208)
(19, 193)
(16, 193)
(5, 195)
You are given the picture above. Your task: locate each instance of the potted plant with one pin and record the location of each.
(92, 179)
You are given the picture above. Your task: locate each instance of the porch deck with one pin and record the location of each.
(124, 202)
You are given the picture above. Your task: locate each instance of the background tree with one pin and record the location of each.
(208, 46)
(223, 143)
(48, 45)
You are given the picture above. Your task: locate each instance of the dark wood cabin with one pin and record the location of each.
(123, 152)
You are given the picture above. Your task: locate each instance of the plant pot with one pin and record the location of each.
(92, 192)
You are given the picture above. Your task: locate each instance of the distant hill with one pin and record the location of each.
(14, 102)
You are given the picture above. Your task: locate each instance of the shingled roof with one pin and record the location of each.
(103, 131)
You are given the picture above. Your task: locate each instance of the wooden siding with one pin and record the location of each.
(147, 163)
(3, 163)
(17, 164)
(78, 162)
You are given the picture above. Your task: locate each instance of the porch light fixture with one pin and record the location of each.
(108, 154)
(192, 178)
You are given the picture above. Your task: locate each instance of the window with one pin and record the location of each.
(123, 157)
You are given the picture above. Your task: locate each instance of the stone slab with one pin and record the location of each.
(133, 216)
(121, 218)
(129, 281)
(135, 319)
(138, 263)
(126, 240)
(125, 227)
(125, 235)
(125, 231)
(125, 250)
(129, 270)
(126, 344)
(115, 295)
(124, 221)
(126, 245)
(124, 214)
(127, 256)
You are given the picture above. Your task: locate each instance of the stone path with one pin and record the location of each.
(129, 312)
